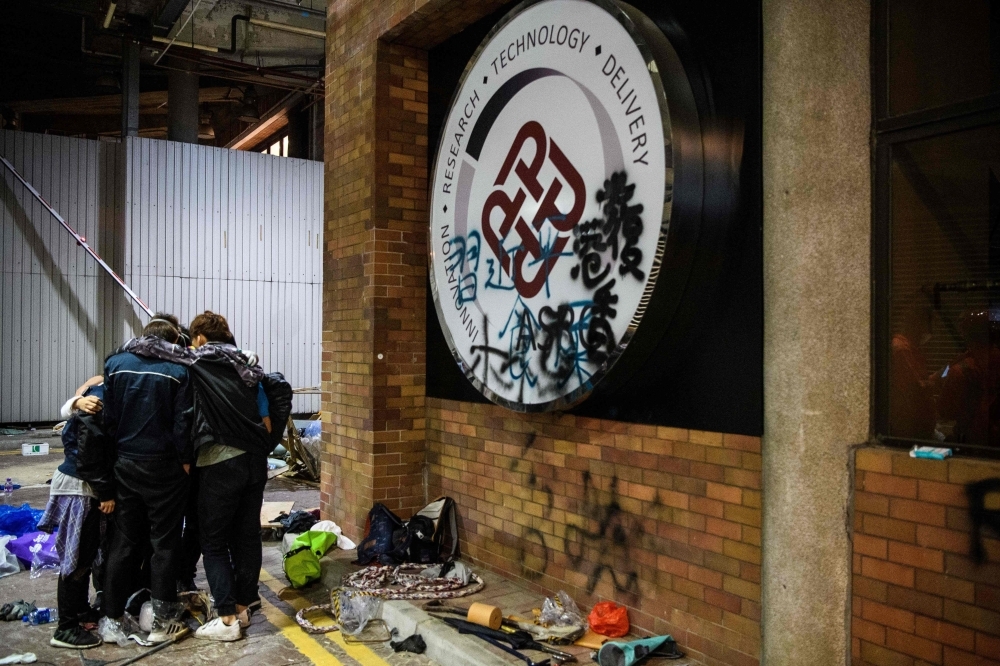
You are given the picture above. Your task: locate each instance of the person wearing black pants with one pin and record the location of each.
(73, 591)
(147, 415)
(231, 495)
(149, 510)
(74, 511)
(190, 539)
(230, 438)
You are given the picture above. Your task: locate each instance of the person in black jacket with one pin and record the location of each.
(231, 438)
(232, 441)
(148, 409)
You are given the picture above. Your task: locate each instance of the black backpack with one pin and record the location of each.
(430, 536)
(377, 542)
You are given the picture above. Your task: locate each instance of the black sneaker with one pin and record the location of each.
(74, 638)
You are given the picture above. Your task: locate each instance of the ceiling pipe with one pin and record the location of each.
(110, 15)
(284, 27)
(319, 34)
(198, 47)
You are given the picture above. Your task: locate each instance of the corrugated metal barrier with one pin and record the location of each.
(188, 227)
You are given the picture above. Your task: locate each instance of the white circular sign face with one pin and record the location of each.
(548, 203)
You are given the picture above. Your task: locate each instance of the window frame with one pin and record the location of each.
(887, 132)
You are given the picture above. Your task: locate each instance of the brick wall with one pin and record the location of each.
(917, 597)
(665, 521)
(375, 259)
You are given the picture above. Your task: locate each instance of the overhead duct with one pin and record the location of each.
(283, 27)
(166, 16)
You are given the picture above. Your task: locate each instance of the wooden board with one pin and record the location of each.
(591, 640)
(271, 510)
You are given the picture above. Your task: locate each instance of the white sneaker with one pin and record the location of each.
(165, 630)
(217, 630)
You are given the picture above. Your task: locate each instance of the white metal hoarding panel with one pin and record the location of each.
(53, 321)
(189, 227)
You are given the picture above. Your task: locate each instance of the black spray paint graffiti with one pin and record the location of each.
(609, 544)
(980, 516)
(622, 225)
(543, 351)
(598, 543)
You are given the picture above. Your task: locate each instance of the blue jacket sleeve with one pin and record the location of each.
(183, 417)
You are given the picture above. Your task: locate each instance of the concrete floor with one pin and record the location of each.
(272, 638)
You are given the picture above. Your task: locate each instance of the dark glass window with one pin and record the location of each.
(940, 51)
(936, 233)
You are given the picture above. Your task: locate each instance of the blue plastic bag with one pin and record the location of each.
(18, 520)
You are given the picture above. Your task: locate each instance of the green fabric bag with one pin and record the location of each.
(301, 562)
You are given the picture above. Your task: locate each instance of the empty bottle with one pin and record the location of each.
(41, 616)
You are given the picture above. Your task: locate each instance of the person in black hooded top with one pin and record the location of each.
(232, 464)
(230, 439)
(148, 410)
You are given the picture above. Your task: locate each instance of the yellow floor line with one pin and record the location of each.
(307, 646)
(359, 653)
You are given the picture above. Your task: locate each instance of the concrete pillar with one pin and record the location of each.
(817, 212)
(182, 102)
(130, 88)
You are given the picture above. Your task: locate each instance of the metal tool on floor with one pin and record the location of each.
(518, 640)
(511, 650)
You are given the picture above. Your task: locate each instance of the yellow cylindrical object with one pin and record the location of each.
(485, 615)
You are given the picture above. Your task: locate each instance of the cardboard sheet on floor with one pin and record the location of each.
(591, 640)
(271, 510)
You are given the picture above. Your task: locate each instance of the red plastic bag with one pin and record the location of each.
(609, 619)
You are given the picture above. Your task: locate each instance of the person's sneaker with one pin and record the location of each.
(165, 630)
(244, 618)
(217, 630)
(74, 638)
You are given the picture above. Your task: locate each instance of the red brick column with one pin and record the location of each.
(375, 256)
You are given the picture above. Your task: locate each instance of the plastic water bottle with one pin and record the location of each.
(8, 489)
(41, 616)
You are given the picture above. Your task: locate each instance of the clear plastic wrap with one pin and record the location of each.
(357, 609)
(561, 612)
(40, 565)
(116, 631)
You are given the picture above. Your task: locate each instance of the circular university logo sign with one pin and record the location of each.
(550, 202)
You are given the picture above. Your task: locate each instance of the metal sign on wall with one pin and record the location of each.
(552, 196)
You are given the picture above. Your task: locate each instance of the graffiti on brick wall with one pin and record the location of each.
(981, 517)
(605, 550)
(598, 539)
